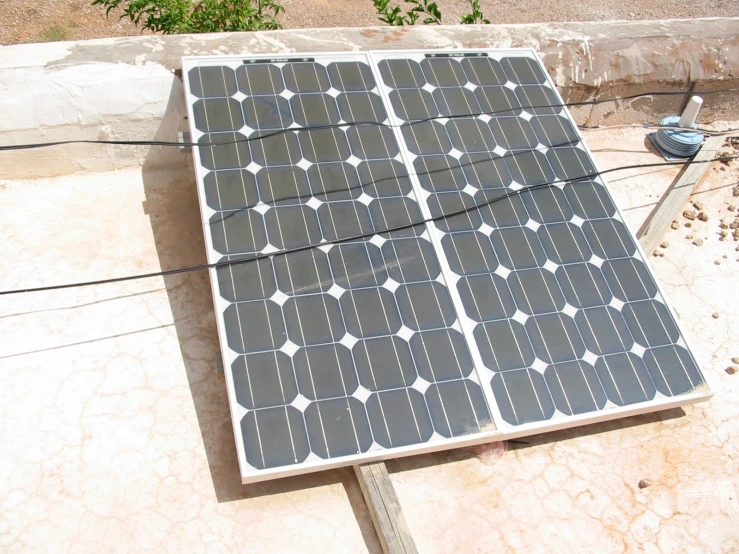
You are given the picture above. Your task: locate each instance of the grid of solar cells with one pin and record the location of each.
(555, 298)
(343, 351)
(340, 349)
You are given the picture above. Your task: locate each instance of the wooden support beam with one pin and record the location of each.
(384, 508)
(663, 214)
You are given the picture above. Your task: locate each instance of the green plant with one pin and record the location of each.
(53, 33)
(192, 16)
(397, 16)
(476, 17)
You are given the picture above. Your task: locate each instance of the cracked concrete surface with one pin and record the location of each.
(116, 434)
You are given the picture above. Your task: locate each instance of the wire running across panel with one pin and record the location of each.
(530, 313)
(562, 315)
(338, 350)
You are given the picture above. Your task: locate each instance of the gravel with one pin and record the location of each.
(44, 20)
(49, 20)
(361, 13)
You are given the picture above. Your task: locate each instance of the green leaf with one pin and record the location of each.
(434, 10)
(416, 9)
(192, 16)
(476, 17)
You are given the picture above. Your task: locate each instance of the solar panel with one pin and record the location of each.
(531, 312)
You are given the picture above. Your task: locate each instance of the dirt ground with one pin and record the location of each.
(48, 20)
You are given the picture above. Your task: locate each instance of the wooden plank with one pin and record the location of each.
(663, 214)
(379, 494)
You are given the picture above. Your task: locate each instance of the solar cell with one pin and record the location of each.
(532, 312)
(545, 253)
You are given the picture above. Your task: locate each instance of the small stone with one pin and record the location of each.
(644, 483)
(689, 237)
(717, 262)
(723, 225)
(702, 216)
(714, 315)
(734, 225)
(731, 208)
(731, 370)
(735, 190)
(688, 224)
(698, 242)
(664, 244)
(724, 256)
(735, 360)
(661, 254)
(675, 225)
(689, 214)
(655, 253)
(698, 205)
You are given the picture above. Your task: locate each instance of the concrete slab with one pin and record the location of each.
(115, 429)
(116, 434)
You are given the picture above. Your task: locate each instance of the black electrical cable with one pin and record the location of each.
(361, 236)
(708, 132)
(262, 135)
(656, 93)
(391, 178)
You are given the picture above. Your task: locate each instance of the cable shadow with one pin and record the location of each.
(90, 341)
(632, 208)
(706, 191)
(76, 306)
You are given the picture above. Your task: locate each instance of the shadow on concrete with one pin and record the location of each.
(450, 456)
(651, 148)
(648, 220)
(174, 212)
(597, 428)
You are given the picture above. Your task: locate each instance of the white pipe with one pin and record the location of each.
(690, 113)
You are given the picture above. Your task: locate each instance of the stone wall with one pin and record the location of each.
(127, 88)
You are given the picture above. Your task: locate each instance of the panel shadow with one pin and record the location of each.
(172, 206)
(450, 456)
